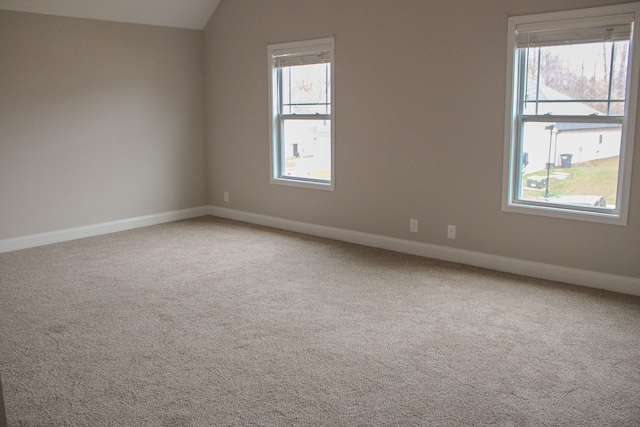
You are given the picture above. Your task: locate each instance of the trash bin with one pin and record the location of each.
(565, 160)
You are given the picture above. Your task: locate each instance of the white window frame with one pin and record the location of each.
(297, 49)
(512, 157)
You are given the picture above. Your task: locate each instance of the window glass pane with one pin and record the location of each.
(591, 74)
(619, 73)
(306, 89)
(574, 164)
(307, 149)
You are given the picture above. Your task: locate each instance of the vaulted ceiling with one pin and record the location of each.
(192, 14)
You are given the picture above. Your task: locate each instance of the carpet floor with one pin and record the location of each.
(210, 322)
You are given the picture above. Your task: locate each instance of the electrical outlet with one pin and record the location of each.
(451, 232)
(413, 225)
(226, 196)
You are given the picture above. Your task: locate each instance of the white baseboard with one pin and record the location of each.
(40, 239)
(591, 279)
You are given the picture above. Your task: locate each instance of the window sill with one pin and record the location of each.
(301, 183)
(613, 218)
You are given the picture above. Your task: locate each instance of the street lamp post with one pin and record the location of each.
(550, 129)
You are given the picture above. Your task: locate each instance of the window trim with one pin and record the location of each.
(276, 124)
(512, 147)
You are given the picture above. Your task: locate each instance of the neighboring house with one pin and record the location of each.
(580, 141)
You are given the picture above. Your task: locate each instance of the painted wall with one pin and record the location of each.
(99, 121)
(420, 90)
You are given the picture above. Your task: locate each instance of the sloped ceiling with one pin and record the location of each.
(192, 14)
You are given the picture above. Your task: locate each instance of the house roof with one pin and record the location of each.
(562, 106)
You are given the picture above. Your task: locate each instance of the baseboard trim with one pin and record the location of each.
(590, 279)
(8, 245)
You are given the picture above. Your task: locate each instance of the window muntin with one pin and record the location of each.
(301, 113)
(577, 79)
(569, 135)
(306, 89)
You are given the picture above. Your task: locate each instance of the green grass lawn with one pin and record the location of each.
(322, 174)
(292, 161)
(594, 177)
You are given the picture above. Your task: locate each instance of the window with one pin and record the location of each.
(301, 112)
(571, 109)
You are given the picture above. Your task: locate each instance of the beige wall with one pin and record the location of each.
(104, 121)
(99, 121)
(420, 89)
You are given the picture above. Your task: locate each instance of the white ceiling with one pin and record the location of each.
(193, 14)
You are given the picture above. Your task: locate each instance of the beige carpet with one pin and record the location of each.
(210, 322)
